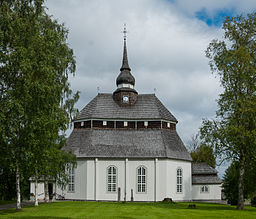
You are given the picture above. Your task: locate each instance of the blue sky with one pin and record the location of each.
(217, 18)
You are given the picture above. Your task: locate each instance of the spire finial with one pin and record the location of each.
(125, 64)
(125, 31)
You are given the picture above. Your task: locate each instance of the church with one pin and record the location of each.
(128, 149)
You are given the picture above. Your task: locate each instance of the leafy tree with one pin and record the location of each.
(231, 178)
(204, 153)
(36, 102)
(200, 152)
(233, 133)
(230, 182)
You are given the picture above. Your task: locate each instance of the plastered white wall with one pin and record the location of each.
(172, 166)
(80, 183)
(40, 189)
(213, 194)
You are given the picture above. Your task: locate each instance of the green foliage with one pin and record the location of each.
(253, 202)
(200, 152)
(230, 183)
(204, 153)
(36, 102)
(231, 178)
(233, 133)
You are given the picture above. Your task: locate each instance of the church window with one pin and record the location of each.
(71, 175)
(141, 179)
(112, 178)
(146, 123)
(104, 123)
(179, 180)
(204, 189)
(125, 124)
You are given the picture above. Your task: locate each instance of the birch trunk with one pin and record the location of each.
(36, 195)
(18, 188)
(46, 190)
(240, 204)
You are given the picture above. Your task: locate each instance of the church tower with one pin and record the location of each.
(125, 94)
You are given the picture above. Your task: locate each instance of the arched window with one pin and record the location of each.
(112, 178)
(179, 180)
(204, 189)
(141, 179)
(71, 176)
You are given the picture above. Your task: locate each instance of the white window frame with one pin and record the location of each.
(71, 177)
(104, 123)
(179, 180)
(141, 184)
(204, 188)
(112, 179)
(125, 123)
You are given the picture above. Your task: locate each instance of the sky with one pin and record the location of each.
(166, 45)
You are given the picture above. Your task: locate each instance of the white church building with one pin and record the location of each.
(127, 148)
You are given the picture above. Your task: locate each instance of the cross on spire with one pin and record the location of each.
(125, 31)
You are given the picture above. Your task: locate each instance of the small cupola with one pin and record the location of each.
(125, 94)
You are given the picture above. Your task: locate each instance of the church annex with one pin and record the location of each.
(127, 142)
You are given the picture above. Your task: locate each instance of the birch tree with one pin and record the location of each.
(36, 99)
(232, 134)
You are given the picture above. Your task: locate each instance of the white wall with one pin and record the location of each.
(80, 183)
(171, 191)
(164, 185)
(213, 194)
(40, 189)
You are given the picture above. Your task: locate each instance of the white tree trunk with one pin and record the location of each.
(36, 195)
(46, 190)
(18, 188)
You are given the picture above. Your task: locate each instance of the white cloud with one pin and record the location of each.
(166, 47)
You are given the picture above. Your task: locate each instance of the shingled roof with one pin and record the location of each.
(202, 168)
(202, 173)
(206, 179)
(147, 107)
(89, 143)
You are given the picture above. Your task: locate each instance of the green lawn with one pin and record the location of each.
(69, 209)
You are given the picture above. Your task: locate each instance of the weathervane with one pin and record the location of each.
(125, 31)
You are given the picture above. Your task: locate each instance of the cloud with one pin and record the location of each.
(165, 49)
(166, 44)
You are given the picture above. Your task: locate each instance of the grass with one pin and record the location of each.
(128, 210)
